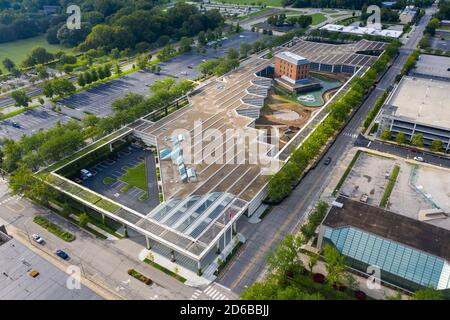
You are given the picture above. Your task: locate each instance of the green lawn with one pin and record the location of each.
(18, 50)
(136, 177)
(317, 18)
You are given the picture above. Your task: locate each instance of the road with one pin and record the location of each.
(102, 261)
(249, 263)
(403, 151)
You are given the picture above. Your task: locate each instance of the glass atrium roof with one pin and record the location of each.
(390, 256)
(192, 215)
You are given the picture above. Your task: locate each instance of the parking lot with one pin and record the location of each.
(113, 168)
(98, 100)
(439, 43)
(30, 122)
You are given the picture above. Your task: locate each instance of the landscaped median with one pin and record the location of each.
(53, 228)
(281, 183)
(137, 275)
(390, 186)
(165, 270)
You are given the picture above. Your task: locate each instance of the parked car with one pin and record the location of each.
(327, 161)
(420, 159)
(16, 125)
(37, 238)
(85, 173)
(62, 254)
(190, 66)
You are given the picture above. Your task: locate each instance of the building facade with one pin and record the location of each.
(291, 67)
(410, 254)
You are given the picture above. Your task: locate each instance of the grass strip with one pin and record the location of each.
(346, 173)
(390, 186)
(53, 228)
(165, 270)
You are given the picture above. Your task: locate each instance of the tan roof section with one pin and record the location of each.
(423, 100)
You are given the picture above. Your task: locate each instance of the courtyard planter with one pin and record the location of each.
(319, 278)
(360, 295)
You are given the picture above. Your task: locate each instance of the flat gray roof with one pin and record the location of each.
(422, 100)
(434, 66)
(16, 263)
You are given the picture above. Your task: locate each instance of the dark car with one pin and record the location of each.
(16, 125)
(327, 161)
(62, 254)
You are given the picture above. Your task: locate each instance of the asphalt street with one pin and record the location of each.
(249, 263)
(403, 151)
(101, 261)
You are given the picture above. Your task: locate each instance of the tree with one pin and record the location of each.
(8, 64)
(20, 98)
(428, 294)
(38, 55)
(400, 138)
(115, 53)
(118, 70)
(81, 80)
(94, 75)
(107, 70)
(83, 219)
(42, 72)
(436, 145)
(232, 54)
(201, 38)
(245, 49)
(285, 260)
(142, 61)
(417, 140)
(386, 135)
(335, 265)
(185, 44)
(313, 258)
(48, 89)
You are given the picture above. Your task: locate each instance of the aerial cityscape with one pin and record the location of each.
(224, 151)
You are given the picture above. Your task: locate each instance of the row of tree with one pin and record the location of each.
(416, 140)
(43, 147)
(221, 65)
(93, 75)
(281, 183)
(302, 21)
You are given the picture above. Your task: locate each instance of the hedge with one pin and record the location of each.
(390, 186)
(374, 111)
(53, 228)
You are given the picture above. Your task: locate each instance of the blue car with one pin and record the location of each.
(62, 254)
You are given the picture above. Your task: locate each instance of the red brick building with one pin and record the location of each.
(291, 67)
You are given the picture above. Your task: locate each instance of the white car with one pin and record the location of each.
(420, 159)
(37, 238)
(85, 173)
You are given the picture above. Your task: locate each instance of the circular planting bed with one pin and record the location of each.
(319, 278)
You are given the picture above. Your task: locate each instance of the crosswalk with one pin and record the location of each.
(348, 134)
(211, 292)
(9, 199)
(195, 295)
